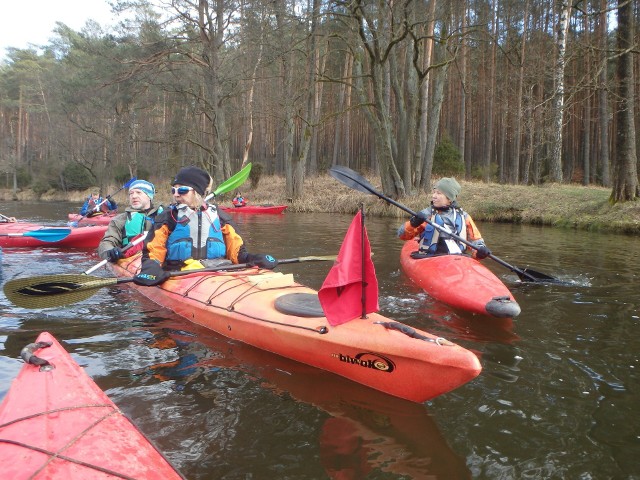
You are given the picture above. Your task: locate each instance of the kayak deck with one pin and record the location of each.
(55, 422)
(375, 351)
(103, 219)
(460, 281)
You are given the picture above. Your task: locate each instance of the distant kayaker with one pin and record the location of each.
(137, 218)
(444, 211)
(239, 201)
(96, 205)
(192, 234)
(5, 219)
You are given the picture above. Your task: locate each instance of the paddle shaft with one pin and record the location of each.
(238, 266)
(355, 177)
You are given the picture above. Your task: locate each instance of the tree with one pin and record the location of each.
(625, 160)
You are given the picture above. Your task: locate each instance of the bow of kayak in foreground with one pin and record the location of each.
(55, 422)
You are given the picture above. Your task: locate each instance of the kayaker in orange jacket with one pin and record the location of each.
(444, 211)
(191, 232)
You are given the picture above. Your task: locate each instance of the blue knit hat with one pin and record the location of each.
(144, 186)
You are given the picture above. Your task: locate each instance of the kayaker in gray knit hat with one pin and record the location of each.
(444, 211)
(450, 187)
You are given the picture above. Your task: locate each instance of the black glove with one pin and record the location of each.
(482, 252)
(114, 255)
(417, 220)
(262, 261)
(151, 273)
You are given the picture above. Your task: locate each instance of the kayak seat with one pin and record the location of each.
(300, 305)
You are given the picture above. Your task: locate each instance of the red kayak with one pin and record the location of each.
(255, 209)
(56, 423)
(461, 282)
(270, 311)
(20, 235)
(101, 219)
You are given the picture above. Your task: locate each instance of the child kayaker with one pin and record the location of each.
(137, 218)
(444, 211)
(192, 234)
(95, 204)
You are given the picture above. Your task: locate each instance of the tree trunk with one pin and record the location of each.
(555, 167)
(625, 160)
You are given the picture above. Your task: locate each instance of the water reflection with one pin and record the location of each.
(366, 430)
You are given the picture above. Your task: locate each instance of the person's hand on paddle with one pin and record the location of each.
(482, 252)
(263, 261)
(114, 255)
(417, 220)
(151, 274)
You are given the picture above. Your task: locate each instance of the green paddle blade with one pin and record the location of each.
(53, 290)
(234, 182)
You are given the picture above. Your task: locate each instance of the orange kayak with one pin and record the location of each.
(270, 311)
(461, 282)
(21, 235)
(56, 423)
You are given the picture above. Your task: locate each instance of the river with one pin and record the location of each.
(557, 398)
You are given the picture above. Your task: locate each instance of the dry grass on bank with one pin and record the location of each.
(571, 206)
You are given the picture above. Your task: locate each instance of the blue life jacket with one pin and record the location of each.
(197, 235)
(430, 237)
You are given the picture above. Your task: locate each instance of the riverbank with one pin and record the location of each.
(567, 206)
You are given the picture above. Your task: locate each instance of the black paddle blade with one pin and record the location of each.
(528, 275)
(48, 291)
(351, 179)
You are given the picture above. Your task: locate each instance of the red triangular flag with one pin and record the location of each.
(341, 294)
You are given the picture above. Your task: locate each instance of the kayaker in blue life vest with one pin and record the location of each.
(192, 234)
(95, 204)
(239, 201)
(444, 211)
(137, 218)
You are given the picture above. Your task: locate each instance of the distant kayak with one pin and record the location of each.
(26, 235)
(56, 423)
(461, 282)
(269, 310)
(255, 209)
(102, 219)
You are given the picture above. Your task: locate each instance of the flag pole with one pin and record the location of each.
(364, 281)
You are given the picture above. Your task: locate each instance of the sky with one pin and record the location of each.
(32, 21)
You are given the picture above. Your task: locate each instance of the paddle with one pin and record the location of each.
(232, 183)
(354, 180)
(8, 219)
(43, 234)
(56, 290)
(126, 185)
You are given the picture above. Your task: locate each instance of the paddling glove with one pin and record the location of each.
(114, 255)
(262, 261)
(482, 252)
(417, 220)
(151, 274)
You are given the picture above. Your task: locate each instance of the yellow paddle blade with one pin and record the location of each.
(47, 291)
